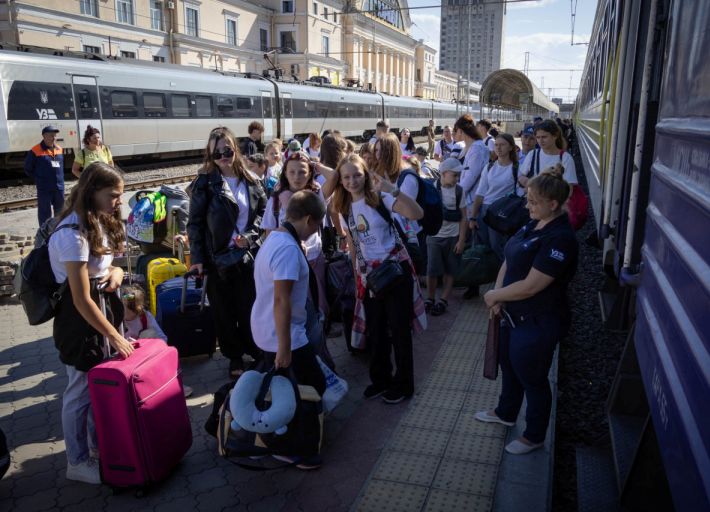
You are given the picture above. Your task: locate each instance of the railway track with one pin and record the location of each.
(20, 204)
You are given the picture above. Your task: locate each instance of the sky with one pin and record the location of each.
(541, 27)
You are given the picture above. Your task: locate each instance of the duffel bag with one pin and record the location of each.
(479, 265)
(577, 207)
(507, 214)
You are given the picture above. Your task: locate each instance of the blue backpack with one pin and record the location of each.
(430, 201)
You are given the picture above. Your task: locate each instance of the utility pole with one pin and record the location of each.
(526, 67)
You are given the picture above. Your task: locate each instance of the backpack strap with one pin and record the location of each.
(144, 321)
(459, 196)
(515, 178)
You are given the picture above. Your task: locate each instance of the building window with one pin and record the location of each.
(192, 20)
(288, 40)
(158, 58)
(315, 8)
(287, 6)
(92, 49)
(325, 45)
(231, 31)
(128, 55)
(89, 7)
(124, 11)
(325, 12)
(264, 40)
(156, 15)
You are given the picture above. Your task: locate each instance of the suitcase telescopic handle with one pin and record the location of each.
(183, 296)
(104, 311)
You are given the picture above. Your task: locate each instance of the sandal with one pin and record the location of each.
(440, 307)
(428, 305)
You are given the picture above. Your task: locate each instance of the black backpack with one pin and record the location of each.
(455, 214)
(430, 201)
(35, 285)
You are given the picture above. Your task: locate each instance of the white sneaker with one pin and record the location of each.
(187, 391)
(87, 472)
(518, 447)
(487, 417)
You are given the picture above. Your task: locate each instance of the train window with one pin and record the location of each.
(86, 103)
(124, 104)
(203, 106)
(180, 105)
(244, 103)
(266, 108)
(225, 106)
(154, 104)
(286, 107)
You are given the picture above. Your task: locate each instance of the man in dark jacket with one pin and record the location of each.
(44, 163)
(253, 144)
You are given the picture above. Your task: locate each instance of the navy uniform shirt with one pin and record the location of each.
(551, 250)
(46, 166)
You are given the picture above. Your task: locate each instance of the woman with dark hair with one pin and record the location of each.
(406, 142)
(94, 150)
(226, 207)
(89, 232)
(531, 289)
(367, 204)
(552, 150)
(497, 180)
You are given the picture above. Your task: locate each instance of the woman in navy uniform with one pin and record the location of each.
(531, 293)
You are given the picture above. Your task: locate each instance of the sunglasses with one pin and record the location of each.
(128, 296)
(226, 153)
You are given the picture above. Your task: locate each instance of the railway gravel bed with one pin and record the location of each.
(167, 170)
(587, 364)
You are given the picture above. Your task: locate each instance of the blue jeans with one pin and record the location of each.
(77, 419)
(525, 355)
(49, 204)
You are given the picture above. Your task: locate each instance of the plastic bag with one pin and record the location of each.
(335, 387)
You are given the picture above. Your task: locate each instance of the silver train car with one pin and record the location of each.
(149, 110)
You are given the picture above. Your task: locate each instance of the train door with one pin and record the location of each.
(87, 106)
(267, 109)
(287, 114)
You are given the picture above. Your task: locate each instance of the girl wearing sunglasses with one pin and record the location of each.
(226, 207)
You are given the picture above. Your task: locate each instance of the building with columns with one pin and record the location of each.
(379, 51)
(365, 42)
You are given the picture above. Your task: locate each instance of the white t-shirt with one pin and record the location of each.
(496, 182)
(475, 161)
(448, 198)
(410, 187)
(240, 193)
(546, 161)
(490, 142)
(70, 245)
(313, 153)
(405, 151)
(374, 233)
(314, 244)
(279, 259)
(133, 328)
(450, 146)
(372, 140)
(273, 170)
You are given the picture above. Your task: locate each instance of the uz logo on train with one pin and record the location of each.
(46, 113)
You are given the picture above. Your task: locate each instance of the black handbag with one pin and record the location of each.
(230, 257)
(508, 214)
(383, 277)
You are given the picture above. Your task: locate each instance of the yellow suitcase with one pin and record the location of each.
(159, 270)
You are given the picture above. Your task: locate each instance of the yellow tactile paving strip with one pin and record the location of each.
(440, 458)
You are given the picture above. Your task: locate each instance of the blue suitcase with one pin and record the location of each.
(184, 314)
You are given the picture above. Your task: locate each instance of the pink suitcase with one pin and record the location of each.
(141, 418)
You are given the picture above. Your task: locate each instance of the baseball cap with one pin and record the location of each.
(50, 128)
(529, 131)
(421, 151)
(450, 164)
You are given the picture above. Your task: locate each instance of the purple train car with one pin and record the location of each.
(643, 125)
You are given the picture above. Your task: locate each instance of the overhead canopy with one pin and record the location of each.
(511, 88)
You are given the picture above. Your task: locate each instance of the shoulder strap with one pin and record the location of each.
(144, 321)
(459, 195)
(515, 178)
(536, 162)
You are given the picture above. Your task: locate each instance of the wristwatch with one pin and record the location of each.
(395, 192)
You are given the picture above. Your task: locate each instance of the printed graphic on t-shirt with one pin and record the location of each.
(557, 255)
(362, 227)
